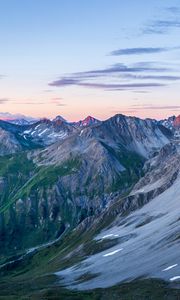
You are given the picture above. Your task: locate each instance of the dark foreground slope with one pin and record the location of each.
(42, 289)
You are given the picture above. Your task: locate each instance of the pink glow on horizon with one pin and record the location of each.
(153, 114)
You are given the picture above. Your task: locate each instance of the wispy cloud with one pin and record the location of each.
(128, 111)
(141, 92)
(48, 91)
(30, 103)
(140, 108)
(154, 107)
(161, 26)
(153, 77)
(105, 86)
(57, 101)
(142, 50)
(173, 9)
(120, 69)
(4, 100)
(65, 82)
(61, 104)
(164, 24)
(120, 77)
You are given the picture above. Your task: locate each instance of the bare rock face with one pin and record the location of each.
(46, 132)
(160, 169)
(160, 173)
(142, 136)
(3, 185)
(177, 122)
(8, 143)
(75, 178)
(88, 121)
(120, 176)
(143, 225)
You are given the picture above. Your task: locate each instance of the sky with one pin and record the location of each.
(101, 57)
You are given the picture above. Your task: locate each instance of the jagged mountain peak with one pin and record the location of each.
(141, 136)
(48, 132)
(176, 122)
(121, 118)
(59, 119)
(88, 121)
(17, 119)
(44, 120)
(168, 122)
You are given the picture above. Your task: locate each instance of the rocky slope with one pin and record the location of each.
(172, 123)
(22, 122)
(47, 132)
(168, 123)
(142, 136)
(95, 209)
(39, 202)
(146, 241)
(88, 121)
(17, 119)
(12, 139)
(74, 178)
(8, 143)
(176, 123)
(136, 238)
(33, 135)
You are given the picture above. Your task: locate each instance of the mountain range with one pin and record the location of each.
(20, 119)
(87, 205)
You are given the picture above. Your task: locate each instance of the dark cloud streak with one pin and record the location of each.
(4, 100)
(153, 77)
(109, 86)
(134, 51)
(140, 50)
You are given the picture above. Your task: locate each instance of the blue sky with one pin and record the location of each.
(101, 57)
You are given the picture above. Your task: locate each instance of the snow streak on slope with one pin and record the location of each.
(151, 247)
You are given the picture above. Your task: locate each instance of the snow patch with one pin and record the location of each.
(109, 235)
(175, 278)
(112, 253)
(170, 267)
